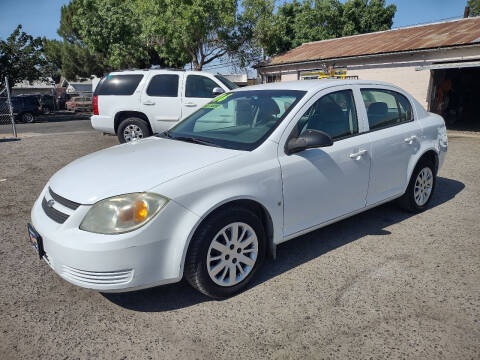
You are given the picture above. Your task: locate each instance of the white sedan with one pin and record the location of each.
(209, 199)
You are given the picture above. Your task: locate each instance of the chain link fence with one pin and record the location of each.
(6, 110)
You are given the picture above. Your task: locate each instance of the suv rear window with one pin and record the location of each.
(118, 84)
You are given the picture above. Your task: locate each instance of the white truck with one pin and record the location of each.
(134, 104)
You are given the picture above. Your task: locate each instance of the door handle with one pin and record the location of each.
(190, 104)
(358, 155)
(410, 139)
(149, 102)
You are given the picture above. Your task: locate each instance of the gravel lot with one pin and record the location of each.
(382, 284)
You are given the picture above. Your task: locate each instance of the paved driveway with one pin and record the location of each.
(382, 284)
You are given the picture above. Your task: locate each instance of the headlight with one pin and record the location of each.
(120, 214)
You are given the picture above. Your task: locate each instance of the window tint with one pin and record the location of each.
(163, 85)
(334, 114)
(386, 108)
(118, 84)
(230, 85)
(200, 87)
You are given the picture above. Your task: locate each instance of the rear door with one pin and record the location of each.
(161, 100)
(198, 92)
(394, 137)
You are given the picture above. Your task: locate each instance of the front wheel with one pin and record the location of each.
(420, 189)
(225, 252)
(28, 118)
(133, 129)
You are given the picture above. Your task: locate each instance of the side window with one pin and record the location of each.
(334, 114)
(386, 108)
(200, 87)
(118, 84)
(163, 85)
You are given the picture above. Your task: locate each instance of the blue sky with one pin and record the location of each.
(42, 17)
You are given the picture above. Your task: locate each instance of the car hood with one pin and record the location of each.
(132, 167)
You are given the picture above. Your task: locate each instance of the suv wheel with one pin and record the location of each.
(420, 189)
(28, 117)
(225, 253)
(133, 129)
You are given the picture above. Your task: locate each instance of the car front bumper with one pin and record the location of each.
(149, 256)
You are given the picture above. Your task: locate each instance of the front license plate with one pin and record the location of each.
(35, 240)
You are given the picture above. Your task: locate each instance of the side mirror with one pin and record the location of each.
(308, 140)
(217, 91)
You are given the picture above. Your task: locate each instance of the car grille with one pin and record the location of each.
(61, 200)
(97, 277)
(53, 213)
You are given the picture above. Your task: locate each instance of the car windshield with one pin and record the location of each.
(230, 85)
(238, 120)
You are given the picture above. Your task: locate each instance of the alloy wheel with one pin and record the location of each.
(232, 254)
(423, 186)
(132, 132)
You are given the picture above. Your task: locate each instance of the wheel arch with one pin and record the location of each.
(248, 203)
(122, 115)
(430, 154)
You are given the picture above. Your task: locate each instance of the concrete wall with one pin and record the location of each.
(399, 69)
(414, 82)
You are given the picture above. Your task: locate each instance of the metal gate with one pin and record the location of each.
(6, 110)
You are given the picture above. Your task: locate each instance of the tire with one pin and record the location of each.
(205, 272)
(422, 182)
(136, 127)
(28, 117)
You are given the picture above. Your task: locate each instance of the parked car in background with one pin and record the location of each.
(25, 108)
(208, 199)
(135, 104)
(80, 104)
(47, 103)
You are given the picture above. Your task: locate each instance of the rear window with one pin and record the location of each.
(118, 84)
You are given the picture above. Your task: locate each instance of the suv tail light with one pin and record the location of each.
(95, 105)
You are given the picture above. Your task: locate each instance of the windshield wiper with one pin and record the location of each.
(193, 140)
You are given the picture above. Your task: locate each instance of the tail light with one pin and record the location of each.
(95, 105)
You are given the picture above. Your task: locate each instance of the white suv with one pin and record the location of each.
(135, 104)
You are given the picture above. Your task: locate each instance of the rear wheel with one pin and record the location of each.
(133, 129)
(420, 189)
(225, 253)
(28, 117)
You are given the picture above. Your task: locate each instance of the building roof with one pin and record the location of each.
(37, 84)
(436, 35)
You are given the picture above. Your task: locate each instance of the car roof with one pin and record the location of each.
(311, 85)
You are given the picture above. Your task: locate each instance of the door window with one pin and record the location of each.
(386, 108)
(334, 114)
(200, 87)
(163, 85)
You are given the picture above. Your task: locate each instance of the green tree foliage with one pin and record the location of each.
(294, 23)
(21, 57)
(474, 7)
(199, 31)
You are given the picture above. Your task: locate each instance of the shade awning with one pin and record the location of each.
(453, 65)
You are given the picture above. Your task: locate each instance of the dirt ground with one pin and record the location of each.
(382, 284)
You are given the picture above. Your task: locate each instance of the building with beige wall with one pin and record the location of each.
(439, 64)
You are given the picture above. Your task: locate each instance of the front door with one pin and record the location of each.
(161, 101)
(198, 92)
(322, 184)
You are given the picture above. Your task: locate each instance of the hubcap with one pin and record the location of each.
(132, 132)
(232, 254)
(28, 118)
(423, 186)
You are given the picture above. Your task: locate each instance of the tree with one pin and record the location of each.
(294, 23)
(21, 57)
(203, 30)
(474, 7)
